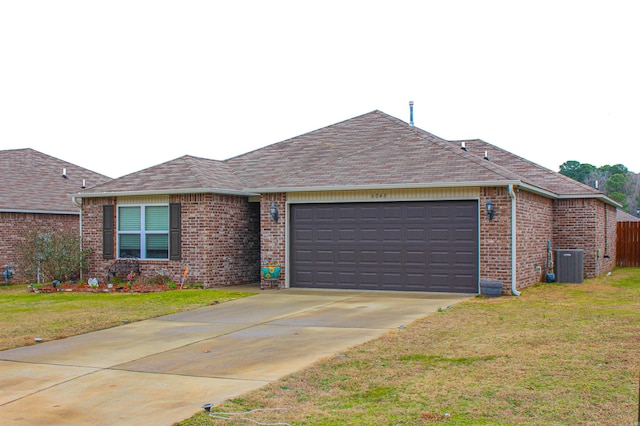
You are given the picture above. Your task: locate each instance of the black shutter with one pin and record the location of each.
(107, 231)
(175, 229)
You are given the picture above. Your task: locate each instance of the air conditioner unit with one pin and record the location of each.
(570, 266)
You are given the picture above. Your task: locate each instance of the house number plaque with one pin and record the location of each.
(378, 195)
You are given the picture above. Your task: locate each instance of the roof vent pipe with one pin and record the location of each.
(463, 145)
(64, 173)
(84, 183)
(486, 155)
(411, 113)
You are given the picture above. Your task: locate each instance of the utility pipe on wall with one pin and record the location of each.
(512, 194)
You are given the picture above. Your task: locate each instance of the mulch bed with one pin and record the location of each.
(137, 287)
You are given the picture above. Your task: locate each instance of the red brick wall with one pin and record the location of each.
(585, 224)
(272, 234)
(13, 227)
(495, 237)
(588, 225)
(534, 227)
(220, 240)
(534, 224)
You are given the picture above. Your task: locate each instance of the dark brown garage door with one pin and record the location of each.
(414, 246)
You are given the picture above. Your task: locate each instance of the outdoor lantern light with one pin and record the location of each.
(274, 212)
(490, 210)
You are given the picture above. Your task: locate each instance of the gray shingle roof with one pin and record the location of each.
(187, 173)
(370, 150)
(532, 173)
(32, 181)
(622, 216)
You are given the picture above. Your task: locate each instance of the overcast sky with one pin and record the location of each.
(119, 86)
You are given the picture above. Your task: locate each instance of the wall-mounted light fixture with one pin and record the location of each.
(273, 211)
(490, 210)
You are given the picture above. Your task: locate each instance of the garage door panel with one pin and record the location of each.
(304, 235)
(418, 246)
(368, 214)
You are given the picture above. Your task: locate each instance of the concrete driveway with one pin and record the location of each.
(162, 370)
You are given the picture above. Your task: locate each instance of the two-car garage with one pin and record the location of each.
(402, 246)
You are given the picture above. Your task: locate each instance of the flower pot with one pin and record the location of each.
(271, 272)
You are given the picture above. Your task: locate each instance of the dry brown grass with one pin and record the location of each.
(557, 355)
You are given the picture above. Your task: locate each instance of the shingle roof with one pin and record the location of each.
(371, 150)
(186, 173)
(32, 181)
(622, 216)
(532, 173)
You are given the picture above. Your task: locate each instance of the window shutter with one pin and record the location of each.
(107, 231)
(175, 229)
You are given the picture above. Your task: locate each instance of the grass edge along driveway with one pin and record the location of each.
(50, 316)
(558, 354)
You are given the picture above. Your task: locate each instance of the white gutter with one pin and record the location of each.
(512, 194)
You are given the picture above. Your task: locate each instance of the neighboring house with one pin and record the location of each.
(34, 195)
(622, 216)
(368, 203)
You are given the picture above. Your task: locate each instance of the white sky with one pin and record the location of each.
(119, 86)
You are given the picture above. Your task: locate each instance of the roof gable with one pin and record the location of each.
(34, 182)
(369, 151)
(372, 149)
(184, 174)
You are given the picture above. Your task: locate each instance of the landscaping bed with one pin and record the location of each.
(139, 287)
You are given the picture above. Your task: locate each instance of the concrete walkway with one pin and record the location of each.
(162, 370)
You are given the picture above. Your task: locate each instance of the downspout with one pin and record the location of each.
(79, 205)
(512, 194)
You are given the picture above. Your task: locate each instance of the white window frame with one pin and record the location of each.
(142, 233)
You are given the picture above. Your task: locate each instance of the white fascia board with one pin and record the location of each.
(555, 196)
(382, 186)
(601, 197)
(162, 192)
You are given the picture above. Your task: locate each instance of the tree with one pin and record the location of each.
(616, 181)
(576, 171)
(52, 255)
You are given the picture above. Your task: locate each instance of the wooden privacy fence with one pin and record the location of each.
(628, 244)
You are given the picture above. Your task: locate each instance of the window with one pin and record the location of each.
(143, 231)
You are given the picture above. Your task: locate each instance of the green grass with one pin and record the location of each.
(559, 354)
(51, 316)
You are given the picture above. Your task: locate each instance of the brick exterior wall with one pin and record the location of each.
(534, 224)
(588, 225)
(495, 237)
(272, 234)
(220, 240)
(14, 226)
(225, 238)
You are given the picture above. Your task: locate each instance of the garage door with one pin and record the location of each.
(406, 246)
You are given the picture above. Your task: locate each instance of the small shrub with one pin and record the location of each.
(52, 255)
(158, 280)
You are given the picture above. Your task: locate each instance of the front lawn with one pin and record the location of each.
(560, 354)
(49, 316)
